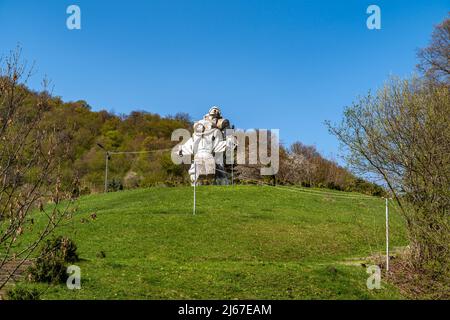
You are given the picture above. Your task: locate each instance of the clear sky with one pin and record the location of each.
(269, 64)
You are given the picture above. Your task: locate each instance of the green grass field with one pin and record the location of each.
(245, 242)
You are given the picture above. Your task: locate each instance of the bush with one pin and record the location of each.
(362, 186)
(131, 180)
(115, 185)
(50, 266)
(23, 293)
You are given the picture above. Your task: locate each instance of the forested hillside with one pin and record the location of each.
(83, 136)
(138, 131)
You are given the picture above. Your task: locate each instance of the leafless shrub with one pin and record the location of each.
(435, 59)
(30, 155)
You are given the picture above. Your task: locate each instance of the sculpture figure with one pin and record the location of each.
(208, 144)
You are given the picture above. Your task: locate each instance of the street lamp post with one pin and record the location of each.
(107, 157)
(106, 171)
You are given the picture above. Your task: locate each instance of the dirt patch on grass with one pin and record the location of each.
(417, 284)
(9, 268)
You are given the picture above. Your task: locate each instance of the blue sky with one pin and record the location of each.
(269, 64)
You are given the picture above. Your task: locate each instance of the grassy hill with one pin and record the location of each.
(246, 242)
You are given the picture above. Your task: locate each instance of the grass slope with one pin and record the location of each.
(246, 242)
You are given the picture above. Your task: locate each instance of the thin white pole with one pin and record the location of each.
(387, 236)
(232, 174)
(195, 183)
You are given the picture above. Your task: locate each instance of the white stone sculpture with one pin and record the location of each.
(208, 144)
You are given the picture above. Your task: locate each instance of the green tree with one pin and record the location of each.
(402, 134)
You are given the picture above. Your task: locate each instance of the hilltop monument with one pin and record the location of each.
(208, 144)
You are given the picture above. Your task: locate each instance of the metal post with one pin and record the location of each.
(195, 183)
(106, 171)
(387, 236)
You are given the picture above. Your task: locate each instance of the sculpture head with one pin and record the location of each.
(214, 112)
(199, 128)
(223, 124)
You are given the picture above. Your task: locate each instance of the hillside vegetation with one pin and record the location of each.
(80, 131)
(246, 242)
